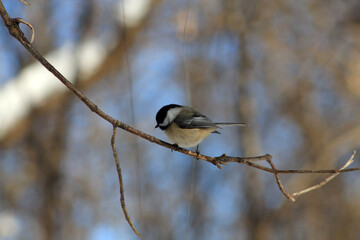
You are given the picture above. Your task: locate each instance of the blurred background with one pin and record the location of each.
(288, 68)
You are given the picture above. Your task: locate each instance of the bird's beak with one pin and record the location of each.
(157, 125)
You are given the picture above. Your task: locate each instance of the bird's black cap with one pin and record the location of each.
(161, 114)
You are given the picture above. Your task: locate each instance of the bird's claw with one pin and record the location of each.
(176, 147)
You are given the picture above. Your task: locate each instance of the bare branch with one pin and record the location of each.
(328, 179)
(24, 2)
(281, 187)
(15, 31)
(30, 26)
(122, 194)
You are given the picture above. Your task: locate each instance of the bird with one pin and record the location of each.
(186, 127)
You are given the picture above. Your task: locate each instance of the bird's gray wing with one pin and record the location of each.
(198, 121)
(190, 118)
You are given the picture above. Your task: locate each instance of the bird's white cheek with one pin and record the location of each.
(165, 122)
(172, 114)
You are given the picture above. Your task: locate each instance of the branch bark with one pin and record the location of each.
(121, 183)
(328, 179)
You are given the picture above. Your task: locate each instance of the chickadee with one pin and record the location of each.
(186, 127)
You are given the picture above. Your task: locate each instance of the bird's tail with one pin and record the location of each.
(230, 124)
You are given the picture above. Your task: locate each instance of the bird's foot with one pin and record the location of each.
(197, 152)
(176, 147)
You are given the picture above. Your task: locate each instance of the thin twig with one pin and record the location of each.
(26, 3)
(328, 179)
(186, 67)
(30, 26)
(281, 187)
(122, 194)
(132, 115)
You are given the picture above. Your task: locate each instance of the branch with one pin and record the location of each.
(122, 194)
(15, 31)
(281, 187)
(328, 179)
(24, 2)
(30, 26)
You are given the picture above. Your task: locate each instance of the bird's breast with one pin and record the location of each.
(186, 137)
